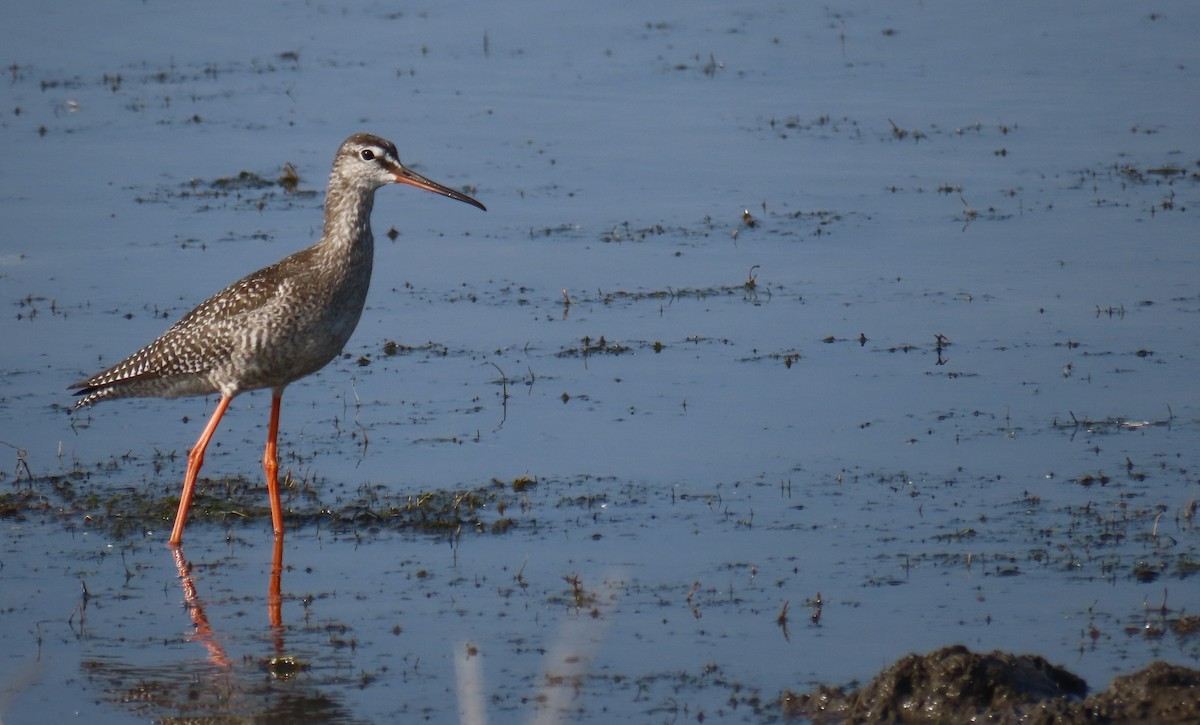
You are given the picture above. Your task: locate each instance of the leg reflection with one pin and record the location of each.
(274, 597)
(282, 666)
(204, 633)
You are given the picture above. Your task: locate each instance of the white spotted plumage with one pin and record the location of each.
(276, 325)
(284, 321)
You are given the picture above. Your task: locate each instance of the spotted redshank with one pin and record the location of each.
(276, 325)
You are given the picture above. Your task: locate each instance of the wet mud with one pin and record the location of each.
(956, 685)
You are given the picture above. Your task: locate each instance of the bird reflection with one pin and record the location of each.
(274, 598)
(204, 633)
(229, 684)
(280, 665)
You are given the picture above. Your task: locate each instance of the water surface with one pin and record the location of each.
(885, 316)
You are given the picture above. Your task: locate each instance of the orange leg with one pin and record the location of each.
(271, 464)
(195, 460)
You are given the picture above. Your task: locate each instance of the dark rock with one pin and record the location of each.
(956, 685)
(1159, 693)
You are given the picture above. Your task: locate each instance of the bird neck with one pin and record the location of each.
(348, 218)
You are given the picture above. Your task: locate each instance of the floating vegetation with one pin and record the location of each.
(126, 511)
(243, 181)
(599, 346)
(1149, 188)
(435, 349)
(787, 357)
(246, 188)
(748, 290)
(1111, 424)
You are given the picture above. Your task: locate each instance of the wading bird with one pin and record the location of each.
(276, 325)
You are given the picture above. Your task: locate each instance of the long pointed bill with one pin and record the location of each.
(412, 178)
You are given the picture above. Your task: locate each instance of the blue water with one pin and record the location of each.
(982, 173)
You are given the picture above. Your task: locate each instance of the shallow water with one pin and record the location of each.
(1018, 179)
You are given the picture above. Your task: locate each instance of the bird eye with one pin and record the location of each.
(367, 154)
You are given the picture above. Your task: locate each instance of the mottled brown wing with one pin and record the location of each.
(177, 363)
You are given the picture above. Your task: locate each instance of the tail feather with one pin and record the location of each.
(145, 385)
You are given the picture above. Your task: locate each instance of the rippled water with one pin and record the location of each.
(882, 318)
